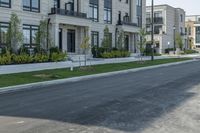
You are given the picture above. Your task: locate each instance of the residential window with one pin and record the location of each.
(93, 10)
(95, 38)
(5, 3)
(181, 17)
(189, 30)
(56, 3)
(31, 5)
(3, 32)
(139, 13)
(29, 33)
(198, 34)
(157, 29)
(108, 11)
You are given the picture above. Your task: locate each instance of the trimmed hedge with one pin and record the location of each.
(115, 54)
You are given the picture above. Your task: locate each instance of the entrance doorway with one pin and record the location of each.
(71, 41)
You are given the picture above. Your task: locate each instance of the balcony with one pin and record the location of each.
(68, 13)
(157, 20)
(127, 23)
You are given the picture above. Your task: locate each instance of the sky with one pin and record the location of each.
(192, 7)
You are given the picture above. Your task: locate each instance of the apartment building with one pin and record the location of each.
(71, 20)
(192, 26)
(167, 22)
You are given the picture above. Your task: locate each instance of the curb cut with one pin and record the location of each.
(30, 86)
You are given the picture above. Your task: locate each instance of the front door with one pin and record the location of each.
(71, 41)
(126, 42)
(60, 39)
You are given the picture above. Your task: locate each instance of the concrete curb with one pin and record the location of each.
(75, 79)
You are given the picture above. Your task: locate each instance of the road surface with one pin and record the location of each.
(162, 100)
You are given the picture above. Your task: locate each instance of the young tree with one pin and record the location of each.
(14, 35)
(106, 40)
(141, 44)
(179, 41)
(85, 46)
(120, 40)
(42, 35)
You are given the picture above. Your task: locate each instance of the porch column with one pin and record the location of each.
(88, 33)
(55, 34)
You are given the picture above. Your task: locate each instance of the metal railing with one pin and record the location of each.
(67, 13)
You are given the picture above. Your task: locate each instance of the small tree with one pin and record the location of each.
(120, 40)
(85, 46)
(14, 35)
(141, 44)
(106, 39)
(42, 35)
(179, 41)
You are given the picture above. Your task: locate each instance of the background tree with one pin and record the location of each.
(179, 41)
(85, 46)
(141, 44)
(14, 35)
(106, 40)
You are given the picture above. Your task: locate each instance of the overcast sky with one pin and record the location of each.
(192, 7)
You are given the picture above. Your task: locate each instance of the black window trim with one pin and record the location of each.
(3, 27)
(32, 9)
(9, 4)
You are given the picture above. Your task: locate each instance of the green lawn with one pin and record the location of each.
(45, 75)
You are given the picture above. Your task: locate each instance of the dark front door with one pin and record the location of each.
(126, 43)
(71, 41)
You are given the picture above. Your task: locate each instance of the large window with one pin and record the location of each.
(93, 10)
(29, 32)
(198, 34)
(108, 11)
(139, 13)
(5, 3)
(157, 29)
(3, 32)
(31, 5)
(95, 38)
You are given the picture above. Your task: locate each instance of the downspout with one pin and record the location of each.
(48, 33)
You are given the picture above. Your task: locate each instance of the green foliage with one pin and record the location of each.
(55, 57)
(189, 51)
(23, 58)
(54, 50)
(41, 58)
(106, 40)
(14, 35)
(85, 45)
(42, 35)
(179, 41)
(120, 40)
(6, 59)
(141, 44)
(115, 54)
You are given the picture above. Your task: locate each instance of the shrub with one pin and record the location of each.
(6, 59)
(54, 50)
(39, 58)
(22, 58)
(188, 51)
(115, 54)
(55, 57)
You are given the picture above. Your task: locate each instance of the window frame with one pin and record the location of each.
(30, 8)
(4, 3)
(1, 43)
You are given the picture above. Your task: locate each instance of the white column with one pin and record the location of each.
(55, 34)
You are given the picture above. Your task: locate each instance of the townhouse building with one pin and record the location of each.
(69, 21)
(167, 22)
(192, 26)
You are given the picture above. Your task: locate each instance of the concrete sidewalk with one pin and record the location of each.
(9, 69)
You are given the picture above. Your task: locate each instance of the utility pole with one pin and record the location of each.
(152, 31)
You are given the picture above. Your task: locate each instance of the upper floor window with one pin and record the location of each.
(108, 11)
(5, 3)
(31, 5)
(181, 17)
(93, 10)
(139, 2)
(56, 3)
(158, 14)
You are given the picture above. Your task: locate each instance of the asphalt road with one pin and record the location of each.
(162, 100)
